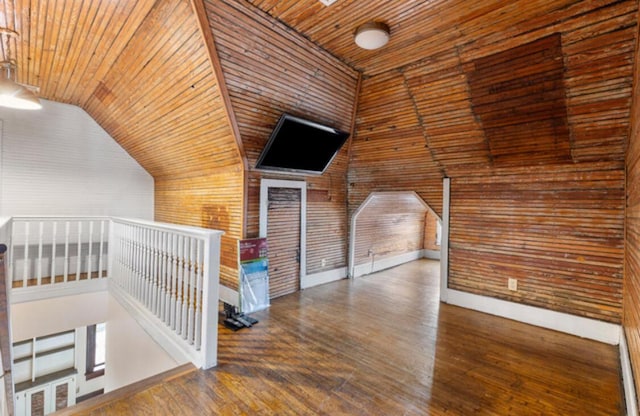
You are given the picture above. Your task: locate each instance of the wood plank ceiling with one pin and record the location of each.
(436, 48)
(94, 54)
(97, 55)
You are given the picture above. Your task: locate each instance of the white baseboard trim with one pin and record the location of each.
(431, 254)
(228, 295)
(563, 322)
(385, 263)
(29, 294)
(627, 377)
(321, 278)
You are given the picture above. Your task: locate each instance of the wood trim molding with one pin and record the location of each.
(627, 376)
(265, 184)
(444, 243)
(558, 321)
(353, 119)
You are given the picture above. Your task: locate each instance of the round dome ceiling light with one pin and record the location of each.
(372, 35)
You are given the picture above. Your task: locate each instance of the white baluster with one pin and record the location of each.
(134, 259)
(124, 257)
(25, 269)
(54, 234)
(192, 289)
(143, 265)
(89, 262)
(129, 262)
(110, 242)
(145, 276)
(39, 263)
(66, 252)
(199, 278)
(169, 277)
(147, 268)
(156, 272)
(180, 288)
(79, 252)
(185, 287)
(115, 253)
(128, 284)
(163, 277)
(138, 262)
(100, 257)
(152, 272)
(139, 243)
(174, 279)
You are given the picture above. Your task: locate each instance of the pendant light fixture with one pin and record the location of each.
(13, 94)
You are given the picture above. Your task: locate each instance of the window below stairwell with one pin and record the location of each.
(96, 336)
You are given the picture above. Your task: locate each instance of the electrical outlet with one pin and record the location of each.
(513, 284)
(324, 262)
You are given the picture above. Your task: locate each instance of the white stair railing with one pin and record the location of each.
(167, 275)
(173, 273)
(49, 250)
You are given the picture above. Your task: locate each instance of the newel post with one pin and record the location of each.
(210, 289)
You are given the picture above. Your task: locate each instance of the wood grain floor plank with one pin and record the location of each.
(383, 344)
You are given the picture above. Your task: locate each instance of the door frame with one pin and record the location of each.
(265, 184)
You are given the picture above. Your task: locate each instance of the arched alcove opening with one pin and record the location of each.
(391, 228)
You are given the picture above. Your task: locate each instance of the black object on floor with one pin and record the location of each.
(243, 321)
(253, 321)
(232, 324)
(235, 320)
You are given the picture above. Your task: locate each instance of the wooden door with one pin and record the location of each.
(283, 238)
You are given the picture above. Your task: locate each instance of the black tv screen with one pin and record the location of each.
(299, 145)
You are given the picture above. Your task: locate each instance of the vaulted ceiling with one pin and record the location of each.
(483, 84)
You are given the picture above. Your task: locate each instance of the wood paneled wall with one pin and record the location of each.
(552, 221)
(431, 231)
(389, 151)
(597, 53)
(162, 103)
(269, 70)
(556, 227)
(389, 224)
(210, 201)
(631, 305)
(560, 233)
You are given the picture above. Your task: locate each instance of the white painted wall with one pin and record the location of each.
(131, 354)
(59, 161)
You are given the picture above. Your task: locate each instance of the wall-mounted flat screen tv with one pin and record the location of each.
(301, 146)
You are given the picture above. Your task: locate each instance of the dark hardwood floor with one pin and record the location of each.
(384, 345)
